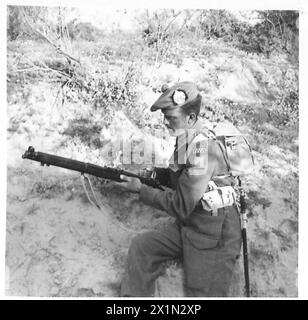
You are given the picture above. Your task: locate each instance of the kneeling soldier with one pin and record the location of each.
(208, 241)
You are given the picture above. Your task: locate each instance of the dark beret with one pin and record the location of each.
(176, 96)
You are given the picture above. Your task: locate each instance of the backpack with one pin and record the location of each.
(235, 148)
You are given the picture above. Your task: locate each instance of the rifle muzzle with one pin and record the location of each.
(29, 154)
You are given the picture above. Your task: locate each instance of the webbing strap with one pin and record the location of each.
(225, 154)
(252, 157)
(83, 178)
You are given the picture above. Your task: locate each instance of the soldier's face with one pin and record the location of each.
(176, 121)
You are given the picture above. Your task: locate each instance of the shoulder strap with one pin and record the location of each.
(212, 135)
(224, 153)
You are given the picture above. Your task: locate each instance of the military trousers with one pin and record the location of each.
(149, 250)
(145, 259)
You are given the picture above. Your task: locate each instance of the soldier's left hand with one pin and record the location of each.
(132, 184)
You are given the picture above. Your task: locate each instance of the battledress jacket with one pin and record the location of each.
(210, 243)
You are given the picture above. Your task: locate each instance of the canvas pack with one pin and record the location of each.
(235, 148)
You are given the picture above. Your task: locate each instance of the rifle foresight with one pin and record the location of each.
(29, 154)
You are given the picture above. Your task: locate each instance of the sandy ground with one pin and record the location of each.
(58, 244)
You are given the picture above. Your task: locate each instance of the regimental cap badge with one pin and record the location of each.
(179, 97)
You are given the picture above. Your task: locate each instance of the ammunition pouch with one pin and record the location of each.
(218, 197)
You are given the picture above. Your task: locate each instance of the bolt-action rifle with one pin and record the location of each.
(88, 168)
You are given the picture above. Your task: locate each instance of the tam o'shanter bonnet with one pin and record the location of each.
(176, 96)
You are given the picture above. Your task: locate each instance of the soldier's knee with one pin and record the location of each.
(139, 243)
(144, 243)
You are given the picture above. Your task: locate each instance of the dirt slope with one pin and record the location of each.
(57, 244)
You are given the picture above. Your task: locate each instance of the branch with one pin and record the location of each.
(58, 48)
(42, 67)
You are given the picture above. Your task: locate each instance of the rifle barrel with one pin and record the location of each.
(84, 167)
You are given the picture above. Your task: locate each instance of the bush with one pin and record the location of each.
(277, 31)
(214, 23)
(87, 131)
(162, 28)
(285, 110)
(84, 31)
(14, 23)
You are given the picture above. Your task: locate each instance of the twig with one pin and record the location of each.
(128, 70)
(24, 70)
(270, 21)
(61, 88)
(173, 18)
(47, 68)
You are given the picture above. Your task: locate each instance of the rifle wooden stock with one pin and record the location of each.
(83, 167)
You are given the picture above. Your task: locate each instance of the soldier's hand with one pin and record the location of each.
(132, 184)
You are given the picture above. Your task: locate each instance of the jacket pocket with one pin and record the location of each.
(200, 241)
(206, 225)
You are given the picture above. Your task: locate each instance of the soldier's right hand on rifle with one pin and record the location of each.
(130, 184)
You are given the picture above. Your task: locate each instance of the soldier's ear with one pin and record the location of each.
(192, 117)
(164, 88)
